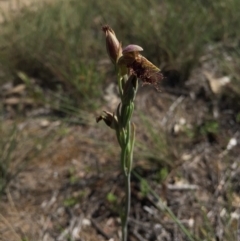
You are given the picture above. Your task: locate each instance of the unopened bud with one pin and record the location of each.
(114, 48)
(109, 118)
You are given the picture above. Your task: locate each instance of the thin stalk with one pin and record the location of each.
(120, 87)
(127, 179)
(126, 162)
(123, 161)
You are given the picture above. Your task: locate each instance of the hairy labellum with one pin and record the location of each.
(146, 71)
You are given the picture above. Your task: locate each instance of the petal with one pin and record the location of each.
(132, 48)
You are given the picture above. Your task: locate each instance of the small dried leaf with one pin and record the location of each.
(16, 90)
(216, 84)
(12, 101)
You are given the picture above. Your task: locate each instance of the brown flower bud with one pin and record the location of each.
(109, 118)
(114, 48)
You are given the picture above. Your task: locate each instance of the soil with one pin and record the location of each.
(63, 192)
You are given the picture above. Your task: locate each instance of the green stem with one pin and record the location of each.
(127, 180)
(120, 87)
(127, 166)
(123, 160)
(126, 137)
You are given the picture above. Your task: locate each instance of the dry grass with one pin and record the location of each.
(11, 7)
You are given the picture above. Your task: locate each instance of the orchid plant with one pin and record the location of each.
(131, 67)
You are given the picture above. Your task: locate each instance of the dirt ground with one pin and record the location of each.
(61, 194)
